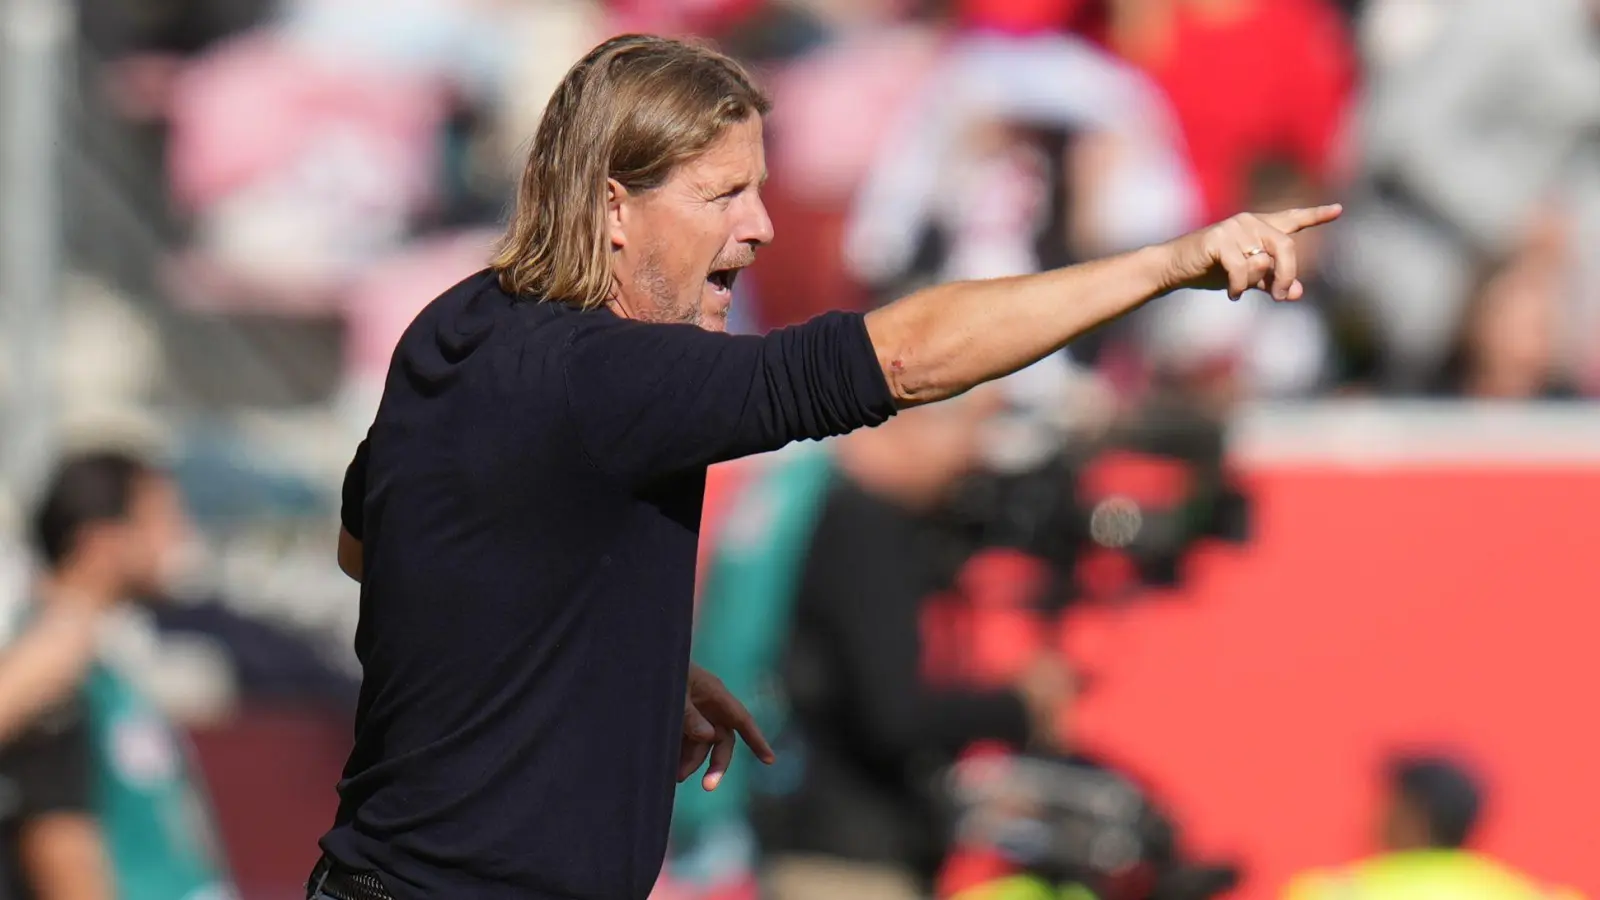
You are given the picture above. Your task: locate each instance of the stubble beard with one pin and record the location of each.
(665, 307)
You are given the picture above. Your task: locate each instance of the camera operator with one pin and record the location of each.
(872, 731)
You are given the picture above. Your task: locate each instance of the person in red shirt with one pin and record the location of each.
(1247, 79)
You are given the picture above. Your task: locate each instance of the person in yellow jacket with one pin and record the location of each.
(1432, 810)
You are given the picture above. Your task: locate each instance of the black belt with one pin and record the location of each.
(334, 880)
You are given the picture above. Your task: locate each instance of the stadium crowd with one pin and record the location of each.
(335, 160)
(262, 193)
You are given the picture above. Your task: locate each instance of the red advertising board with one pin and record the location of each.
(1375, 609)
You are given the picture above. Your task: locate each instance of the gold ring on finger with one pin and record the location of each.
(1253, 251)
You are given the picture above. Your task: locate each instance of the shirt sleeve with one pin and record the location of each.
(353, 495)
(49, 764)
(651, 400)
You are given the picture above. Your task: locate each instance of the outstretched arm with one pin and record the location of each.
(46, 663)
(947, 339)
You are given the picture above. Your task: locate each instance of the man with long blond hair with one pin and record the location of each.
(523, 514)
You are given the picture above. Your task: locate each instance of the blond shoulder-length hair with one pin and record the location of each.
(633, 109)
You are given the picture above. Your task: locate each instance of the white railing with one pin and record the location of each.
(1404, 433)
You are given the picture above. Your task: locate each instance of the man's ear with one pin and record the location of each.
(616, 212)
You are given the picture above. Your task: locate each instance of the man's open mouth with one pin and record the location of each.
(722, 280)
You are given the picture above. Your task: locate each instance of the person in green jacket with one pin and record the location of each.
(741, 629)
(98, 799)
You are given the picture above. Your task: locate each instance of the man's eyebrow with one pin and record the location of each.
(739, 184)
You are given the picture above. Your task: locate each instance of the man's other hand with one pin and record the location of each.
(711, 718)
(349, 555)
(1246, 251)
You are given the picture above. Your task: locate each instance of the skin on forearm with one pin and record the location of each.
(947, 339)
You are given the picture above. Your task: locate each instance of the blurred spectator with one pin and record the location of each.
(1353, 9)
(300, 168)
(833, 107)
(142, 45)
(1479, 118)
(1254, 348)
(872, 713)
(1508, 343)
(545, 39)
(1020, 153)
(1020, 17)
(456, 42)
(312, 148)
(845, 16)
(1292, 59)
(123, 28)
(101, 799)
(966, 168)
(1432, 812)
(703, 17)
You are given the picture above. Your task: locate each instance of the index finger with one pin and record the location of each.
(754, 739)
(1291, 220)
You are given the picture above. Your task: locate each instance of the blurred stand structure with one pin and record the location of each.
(35, 53)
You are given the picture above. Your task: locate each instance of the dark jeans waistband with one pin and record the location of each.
(332, 881)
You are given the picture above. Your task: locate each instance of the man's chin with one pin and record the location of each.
(712, 314)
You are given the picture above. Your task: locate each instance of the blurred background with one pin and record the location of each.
(1221, 563)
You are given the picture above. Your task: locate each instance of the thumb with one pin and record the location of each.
(695, 724)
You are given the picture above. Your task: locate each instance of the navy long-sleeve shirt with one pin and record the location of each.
(528, 501)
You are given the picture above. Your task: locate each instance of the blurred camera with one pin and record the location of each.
(1070, 821)
(1150, 489)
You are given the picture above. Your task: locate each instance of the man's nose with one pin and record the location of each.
(755, 227)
